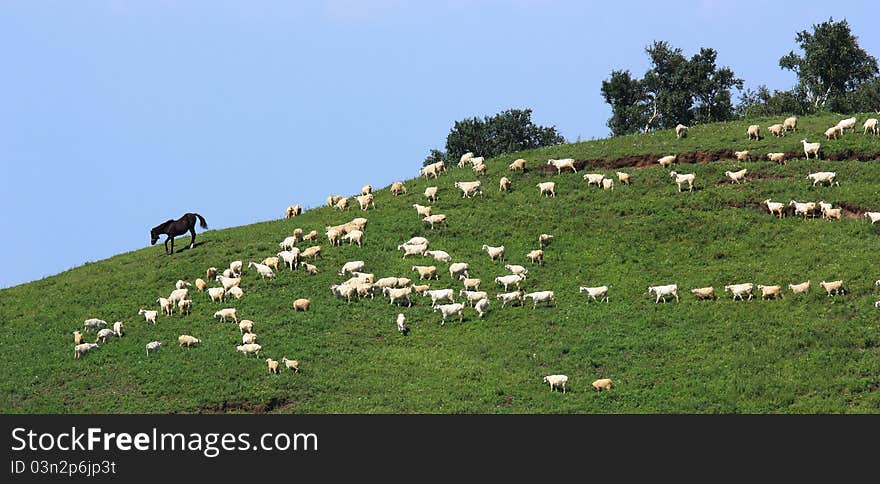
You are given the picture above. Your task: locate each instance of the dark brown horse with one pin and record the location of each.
(173, 228)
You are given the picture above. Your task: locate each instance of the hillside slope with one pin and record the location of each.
(800, 354)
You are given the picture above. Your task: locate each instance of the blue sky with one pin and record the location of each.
(129, 113)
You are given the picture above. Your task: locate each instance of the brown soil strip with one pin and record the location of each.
(244, 406)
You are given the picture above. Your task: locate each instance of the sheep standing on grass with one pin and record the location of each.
(595, 293)
(623, 177)
(166, 306)
(682, 178)
(776, 130)
(153, 346)
(187, 340)
(774, 292)
(401, 324)
(742, 155)
(560, 164)
(149, 316)
(494, 252)
(249, 349)
(681, 131)
(398, 188)
(536, 256)
(517, 165)
(301, 304)
(185, 305)
(602, 384)
(811, 149)
(663, 291)
(77, 338)
(832, 132)
(754, 132)
(504, 184)
(235, 292)
(482, 307)
(704, 293)
(736, 176)
(556, 382)
(667, 160)
(833, 287)
(246, 326)
(226, 313)
(775, 207)
(874, 217)
(848, 123)
(431, 193)
(548, 188)
(541, 296)
(801, 288)
(291, 364)
(790, 123)
(873, 126)
(104, 334)
(82, 349)
(217, 293)
(273, 365)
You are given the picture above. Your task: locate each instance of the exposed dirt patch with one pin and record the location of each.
(244, 406)
(506, 400)
(691, 157)
(851, 210)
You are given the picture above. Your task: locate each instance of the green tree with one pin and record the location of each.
(710, 87)
(505, 132)
(832, 63)
(627, 99)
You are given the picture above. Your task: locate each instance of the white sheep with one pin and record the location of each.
(790, 123)
(264, 270)
(311, 236)
(407, 249)
(228, 282)
(309, 268)
(833, 132)
(431, 193)
(398, 188)
(312, 252)
(775, 207)
(236, 267)
(153, 346)
(517, 269)
(482, 307)
(291, 364)
(544, 239)
(704, 292)
(248, 338)
(548, 188)
(833, 287)
(439, 295)
(185, 306)
(181, 284)
(77, 338)
(422, 210)
(344, 291)
(289, 243)
(593, 179)
(366, 201)
(439, 255)
(166, 306)
(504, 184)
(246, 326)
(465, 159)
(519, 164)
(82, 349)
(770, 291)
(187, 340)
(290, 257)
(177, 295)
(351, 266)
(777, 157)
(217, 293)
(435, 219)
(458, 268)
(873, 216)
(801, 288)
(563, 163)
(599, 293)
(602, 384)
(608, 184)
(426, 272)
(450, 309)
(119, 328)
(472, 296)
(536, 255)
(681, 179)
(739, 290)
(401, 323)
(355, 236)
(623, 177)
(301, 304)
(803, 208)
(509, 297)
(104, 334)
(541, 296)
(556, 381)
(736, 176)
(395, 294)
(201, 285)
(823, 177)
(754, 132)
(663, 291)
(470, 189)
(776, 130)
(149, 316)
(509, 280)
(742, 155)
(681, 131)
(226, 313)
(848, 123)
(667, 160)
(470, 282)
(811, 149)
(494, 252)
(249, 349)
(873, 126)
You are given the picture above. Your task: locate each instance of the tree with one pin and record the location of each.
(627, 99)
(506, 132)
(832, 64)
(711, 86)
(665, 87)
(762, 103)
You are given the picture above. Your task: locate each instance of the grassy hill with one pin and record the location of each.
(810, 354)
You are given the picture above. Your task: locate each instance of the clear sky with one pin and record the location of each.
(123, 113)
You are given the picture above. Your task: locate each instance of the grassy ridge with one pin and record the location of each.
(800, 354)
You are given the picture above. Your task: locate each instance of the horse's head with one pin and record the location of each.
(154, 236)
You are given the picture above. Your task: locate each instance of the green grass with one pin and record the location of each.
(810, 354)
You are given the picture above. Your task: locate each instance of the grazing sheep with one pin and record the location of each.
(623, 177)
(504, 184)
(82, 349)
(149, 316)
(547, 187)
(271, 262)
(681, 131)
(398, 188)
(226, 313)
(776, 130)
(290, 257)
(355, 236)
(431, 193)
(608, 184)
(704, 292)
(602, 384)
(235, 292)
(471, 283)
(465, 159)
(187, 340)
(104, 334)
(94, 323)
(494, 252)
(667, 160)
(422, 210)
(178, 294)
(166, 306)
(681, 179)
(426, 272)
(742, 155)
(312, 252)
(289, 243)
(478, 160)
(833, 287)
(343, 291)
(458, 268)
(311, 236)
(450, 310)
(482, 307)
(246, 326)
(418, 249)
(228, 282)
(185, 306)
(439, 295)
(438, 255)
(832, 213)
(663, 291)
(217, 293)
(790, 123)
(310, 269)
(509, 280)
(153, 346)
(291, 364)
(333, 199)
(428, 171)
(273, 365)
(544, 239)
(249, 348)
(556, 381)
(801, 288)
(367, 189)
(435, 219)
(519, 164)
(832, 132)
(201, 285)
(739, 290)
(536, 255)
(775, 207)
(470, 189)
(77, 338)
(848, 123)
(481, 169)
(421, 288)
(517, 269)
(509, 297)
(236, 267)
(341, 205)
(873, 216)
(736, 176)
(805, 209)
(292, 211)
(770, 291)
(181, 284)
(823, 177)
(264, 270)
(301, 304)
(754, 132)
(811, 149)
(351, 266)
(248, 338)
(564, 163)
(599, 293)
(397, 294)
(594, 179)
(873, 126)
(366, 201)
(541, 296)
(210, 273)
(401, 323)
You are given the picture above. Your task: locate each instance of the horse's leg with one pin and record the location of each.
(172, 245)
(192, 243)
(166, 245)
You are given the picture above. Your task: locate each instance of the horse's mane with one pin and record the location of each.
(161, 225)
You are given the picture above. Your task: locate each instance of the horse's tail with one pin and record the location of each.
(202, 220)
